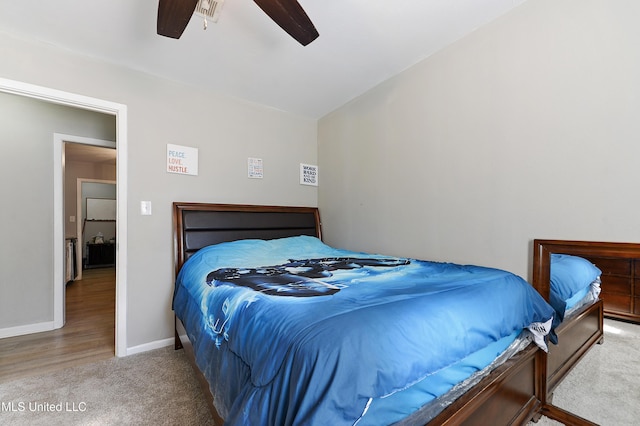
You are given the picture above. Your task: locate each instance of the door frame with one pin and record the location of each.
(120, 112)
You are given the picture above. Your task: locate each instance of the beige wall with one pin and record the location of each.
(528, 128)
(225, 130)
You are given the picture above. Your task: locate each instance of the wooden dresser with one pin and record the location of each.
(620, 285)
(620, 266)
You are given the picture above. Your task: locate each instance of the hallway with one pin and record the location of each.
(87, 336)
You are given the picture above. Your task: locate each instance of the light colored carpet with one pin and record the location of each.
(159, 388)
(604, 386)
(154, 388)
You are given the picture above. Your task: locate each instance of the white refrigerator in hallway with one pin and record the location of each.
(70, 271)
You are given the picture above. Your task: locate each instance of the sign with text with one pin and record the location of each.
(255, 168)
(182, 160)
(308, 174)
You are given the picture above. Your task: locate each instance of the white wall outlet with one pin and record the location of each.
(145, 208)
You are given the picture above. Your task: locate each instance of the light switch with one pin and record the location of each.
(145, 208)
(72, 219)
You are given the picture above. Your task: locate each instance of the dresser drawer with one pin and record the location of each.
(636, 306)
(616, 303)
(636, 262)
(616, 285)
(610, 266)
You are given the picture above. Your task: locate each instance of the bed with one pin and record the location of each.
(509, 394)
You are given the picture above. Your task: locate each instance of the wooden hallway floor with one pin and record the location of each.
(87, 336)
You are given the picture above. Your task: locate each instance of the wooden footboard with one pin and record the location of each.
(575, 336)
(504, 397)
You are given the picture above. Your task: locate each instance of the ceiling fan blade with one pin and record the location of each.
(174, 15)
(291, 18)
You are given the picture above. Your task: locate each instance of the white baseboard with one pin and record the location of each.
(150, 346)
(26, 329)
(48, 326)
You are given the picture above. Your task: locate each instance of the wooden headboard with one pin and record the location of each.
(197, 225)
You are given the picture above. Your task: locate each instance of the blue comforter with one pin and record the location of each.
(293, 331)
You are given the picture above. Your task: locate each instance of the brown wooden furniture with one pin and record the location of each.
(577, 334)
(620, 280)
(620, 266)
(100, 255)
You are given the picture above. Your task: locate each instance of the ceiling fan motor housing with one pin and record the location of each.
(209, 9)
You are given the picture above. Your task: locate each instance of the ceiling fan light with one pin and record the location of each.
(209, 9)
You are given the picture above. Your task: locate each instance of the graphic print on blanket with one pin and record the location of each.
(298, 278)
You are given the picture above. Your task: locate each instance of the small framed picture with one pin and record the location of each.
(308, 174)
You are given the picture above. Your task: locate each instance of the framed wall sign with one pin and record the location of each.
(182, 160)
(308, 174)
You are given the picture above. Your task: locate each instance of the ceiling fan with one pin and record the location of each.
(174, 15)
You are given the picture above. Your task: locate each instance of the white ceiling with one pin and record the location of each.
(246, 55)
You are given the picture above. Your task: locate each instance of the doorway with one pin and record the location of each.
(49, 95)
